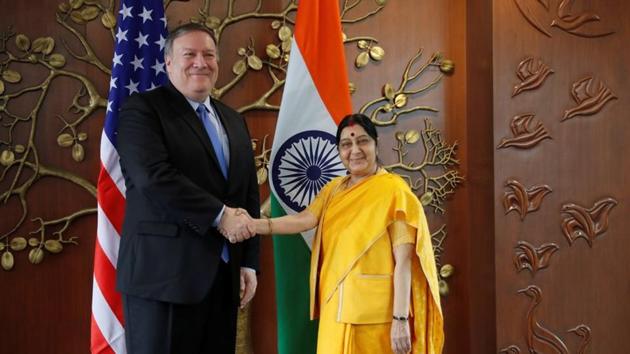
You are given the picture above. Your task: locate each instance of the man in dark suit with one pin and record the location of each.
(189, 170)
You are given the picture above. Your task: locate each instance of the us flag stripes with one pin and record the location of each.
(137, 65)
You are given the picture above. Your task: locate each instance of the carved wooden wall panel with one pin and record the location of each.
(566, 257)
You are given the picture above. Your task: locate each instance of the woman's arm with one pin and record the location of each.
(400, 334)
(288, 224)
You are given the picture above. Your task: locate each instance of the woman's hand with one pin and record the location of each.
(401, 337)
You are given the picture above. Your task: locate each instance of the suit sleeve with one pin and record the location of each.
(251, 247)
(144, 159)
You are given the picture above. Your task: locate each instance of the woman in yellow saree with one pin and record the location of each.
(373, 275)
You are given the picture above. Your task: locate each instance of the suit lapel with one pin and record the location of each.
(185, 112)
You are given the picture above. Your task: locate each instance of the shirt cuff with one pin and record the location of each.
(217, 220)
(249, 269)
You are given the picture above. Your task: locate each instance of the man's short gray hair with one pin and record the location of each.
(182, 30)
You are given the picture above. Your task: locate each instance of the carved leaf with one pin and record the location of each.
(426, 198)
(352, 87)
(78, 153)
(377, 53)
(65, 140)
(53, 246)
(36, 255)
(400, 100)
(18, 243)
(7, 260)
(261, 175)
(286, 45)
(412, 136)
(447, 66)
(7, 157)
(57, 60)
(239, 67)
(11, 76)
(108, 20)
(362, 44)
(272, 51)
(77, 17)
(1, 87)
(213, 22)
(254, 62)
(75, 4)
(89, 13)
(284, 33)
(388, 91)
(43, 45)
(63, 7)
(22, 42)
(579, 222)
(362, 59)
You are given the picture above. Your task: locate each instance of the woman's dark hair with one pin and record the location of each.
(360, 119)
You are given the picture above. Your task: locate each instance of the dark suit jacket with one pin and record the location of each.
(169, 250)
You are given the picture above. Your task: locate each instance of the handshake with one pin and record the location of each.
(236, 225)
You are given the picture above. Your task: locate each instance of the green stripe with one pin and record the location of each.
(297, 334)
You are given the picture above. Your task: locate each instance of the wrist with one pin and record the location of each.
(269, 226)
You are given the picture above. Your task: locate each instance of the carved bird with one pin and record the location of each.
(569, 22)
(589, 99)
(584, 332)
(512, 349)
(539, 338)
(532, 74)
(523, 138)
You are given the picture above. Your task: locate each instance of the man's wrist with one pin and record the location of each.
(252, 270)
(218, 219)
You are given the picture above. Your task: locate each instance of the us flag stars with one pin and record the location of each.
(140, 40)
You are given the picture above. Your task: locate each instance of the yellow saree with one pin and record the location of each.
(352, 267)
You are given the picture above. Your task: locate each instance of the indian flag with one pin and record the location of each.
(304, 156)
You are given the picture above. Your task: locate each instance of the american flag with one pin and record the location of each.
(138, 65)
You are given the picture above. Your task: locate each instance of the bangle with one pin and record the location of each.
(400, 318)
(269, 224)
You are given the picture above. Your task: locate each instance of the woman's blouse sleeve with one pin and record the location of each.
(400, 233)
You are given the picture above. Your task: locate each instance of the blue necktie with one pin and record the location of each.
(213, 134)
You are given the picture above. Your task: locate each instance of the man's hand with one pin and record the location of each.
(234, 224)
(248, 285)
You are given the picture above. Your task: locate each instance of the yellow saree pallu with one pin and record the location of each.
(352, 266)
